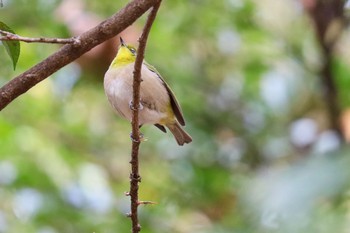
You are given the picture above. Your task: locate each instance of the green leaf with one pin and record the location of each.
(12, 47)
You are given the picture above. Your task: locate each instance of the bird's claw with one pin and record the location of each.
(131, 106)
(140, 139)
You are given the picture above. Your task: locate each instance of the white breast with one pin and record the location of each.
(118, 88)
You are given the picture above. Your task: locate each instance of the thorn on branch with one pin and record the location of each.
(135, 177)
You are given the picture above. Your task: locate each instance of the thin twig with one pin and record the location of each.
(8, 36)
(69, 52)
(135, 175)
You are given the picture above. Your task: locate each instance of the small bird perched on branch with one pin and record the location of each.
(158, 105)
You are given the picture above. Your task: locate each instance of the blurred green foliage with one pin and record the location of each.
(246, 75)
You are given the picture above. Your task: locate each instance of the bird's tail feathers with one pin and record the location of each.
(180, 134)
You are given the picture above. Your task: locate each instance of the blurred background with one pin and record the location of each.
(265, 156)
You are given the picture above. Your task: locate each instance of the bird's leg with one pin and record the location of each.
(140, 139)
(131, 106)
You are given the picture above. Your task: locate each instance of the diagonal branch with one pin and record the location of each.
(69, 52)
(135, 176)
(8, 36)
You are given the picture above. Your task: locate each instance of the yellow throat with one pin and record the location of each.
(126, 55)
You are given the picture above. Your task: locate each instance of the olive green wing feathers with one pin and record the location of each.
(174, 104)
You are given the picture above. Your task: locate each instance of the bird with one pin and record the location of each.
(158, 104)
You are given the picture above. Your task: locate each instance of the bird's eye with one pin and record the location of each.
(133, 50)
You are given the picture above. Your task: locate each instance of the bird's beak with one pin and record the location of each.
(122, 41)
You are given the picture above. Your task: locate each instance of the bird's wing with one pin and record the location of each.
(174, 104)
(162, 128)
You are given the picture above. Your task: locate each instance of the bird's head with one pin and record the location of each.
(126, 55)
